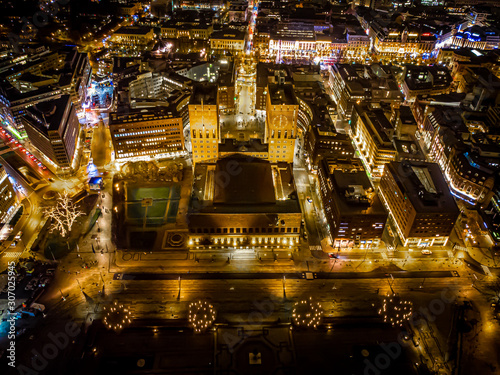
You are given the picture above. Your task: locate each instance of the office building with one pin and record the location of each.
(353, 83)
(146, 134)
(419, 201)
(355, 214)
(372, 134)
(53, 128)
(8, 197)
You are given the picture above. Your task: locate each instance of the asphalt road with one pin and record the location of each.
(279, 276)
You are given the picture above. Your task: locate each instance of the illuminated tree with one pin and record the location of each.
(307, 313)
(116, 317)
(395, 310)
(63, 214)
(201, 315)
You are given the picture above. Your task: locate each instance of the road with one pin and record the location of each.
(101, 145)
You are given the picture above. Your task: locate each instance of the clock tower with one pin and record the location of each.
(281, 123)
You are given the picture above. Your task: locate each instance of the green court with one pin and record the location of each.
(164, 208)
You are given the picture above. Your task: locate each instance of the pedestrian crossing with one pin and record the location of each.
(12, 254)
(317, 247)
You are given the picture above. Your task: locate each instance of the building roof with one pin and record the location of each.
(134, 30)
(253, 184)
(48, 115)
(244, 185)
(204, 93)
(424, 185)
(282, 94)
(230, 34)
(353, 193)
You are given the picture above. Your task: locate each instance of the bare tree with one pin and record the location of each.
(63, 214)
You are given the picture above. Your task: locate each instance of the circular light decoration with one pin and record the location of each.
(395, 310)
(116, 317)
(307, 313)
(201, 315)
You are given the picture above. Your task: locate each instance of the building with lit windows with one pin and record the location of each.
(204, 122)
(425, 80)
(8, 197)
(477, 37)
(372, 134)
(146, 134)
(400, 42)
(244, 203)
(53, 129)
(282, 110)
(354, 83)
(229, 40)
(355, 214)
(135, 36)
(198, 31)
(419, 201)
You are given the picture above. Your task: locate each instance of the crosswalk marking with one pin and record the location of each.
(11, 254)
(317, 247)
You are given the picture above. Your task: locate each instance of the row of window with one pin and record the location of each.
(244, 230)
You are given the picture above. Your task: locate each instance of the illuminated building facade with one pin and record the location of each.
(419, 202)
(425, 80)
(227, 40)
(8, 197)
(241, 202)
(353, 83)
(204, 122)
(281, 122)
(401, 43)
(372, 134)
(189, 31)
(145, 134)
(355, 214)
(53, 128)
(133, 36)
(477, 37)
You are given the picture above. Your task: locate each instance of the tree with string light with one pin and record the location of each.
(63, 214)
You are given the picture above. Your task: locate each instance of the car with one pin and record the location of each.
(44, 167)
(426, 252)
(44, 281)
(18, 235)
(32, 284)
(309, 199)
(331, 255)
(13, 244)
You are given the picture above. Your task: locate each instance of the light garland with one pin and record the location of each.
(395, 310)
(307, 313)
(201, 315)
(116, 317)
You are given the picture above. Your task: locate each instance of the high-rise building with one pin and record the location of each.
(419, 202)
(355, 215)
(372, 133)
(7, 197)
(144, 134)
(204, 122)
(53, 128)
(282, 110)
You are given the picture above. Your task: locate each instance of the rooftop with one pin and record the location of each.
(242, 184)
(424, 185)
(282, 94)
(204, 93)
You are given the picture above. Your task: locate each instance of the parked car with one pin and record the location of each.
(32, 284)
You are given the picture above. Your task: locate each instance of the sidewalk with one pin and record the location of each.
(484, 256)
